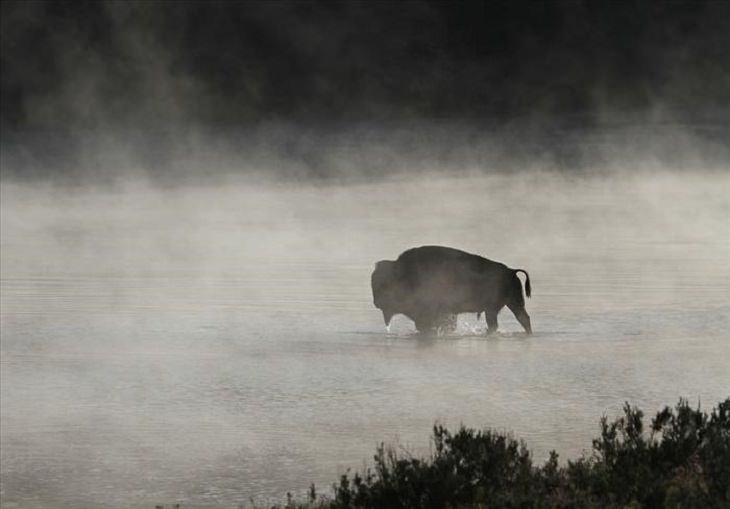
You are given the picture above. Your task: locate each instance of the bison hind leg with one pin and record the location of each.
(491, 316)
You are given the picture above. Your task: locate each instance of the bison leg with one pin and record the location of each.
(424, 322)
(491, 316)
(447, 322)
(522, 316)
(425, 326)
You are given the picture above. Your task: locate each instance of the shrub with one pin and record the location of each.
(683, 461)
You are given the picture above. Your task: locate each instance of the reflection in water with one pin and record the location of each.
(211, 344)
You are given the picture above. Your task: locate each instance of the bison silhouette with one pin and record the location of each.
(432, 284)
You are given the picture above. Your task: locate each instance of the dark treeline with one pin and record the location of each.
(91, 88)
(85, 64)
(681, 459)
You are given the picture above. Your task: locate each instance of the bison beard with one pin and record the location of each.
(432, 284)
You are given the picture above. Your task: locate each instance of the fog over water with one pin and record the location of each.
(210, 343)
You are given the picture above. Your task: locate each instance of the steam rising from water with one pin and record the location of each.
(209, 343)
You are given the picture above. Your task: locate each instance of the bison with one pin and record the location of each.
(432, 284)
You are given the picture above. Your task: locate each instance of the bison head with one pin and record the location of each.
(386, 289)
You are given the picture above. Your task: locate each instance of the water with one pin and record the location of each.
(206, 345)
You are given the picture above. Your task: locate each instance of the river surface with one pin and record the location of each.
(209, 345)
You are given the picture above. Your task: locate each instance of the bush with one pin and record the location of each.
(683, 461)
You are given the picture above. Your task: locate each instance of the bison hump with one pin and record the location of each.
(441, 254)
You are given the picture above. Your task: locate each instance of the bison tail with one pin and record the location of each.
(528, 288)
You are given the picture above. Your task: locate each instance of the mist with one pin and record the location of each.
(102, 91)
(192, 201)
(207, 344)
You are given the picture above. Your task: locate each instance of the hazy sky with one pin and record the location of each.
(156, 74)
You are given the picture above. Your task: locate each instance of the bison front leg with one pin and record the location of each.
(435, 322)
(424, 322)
